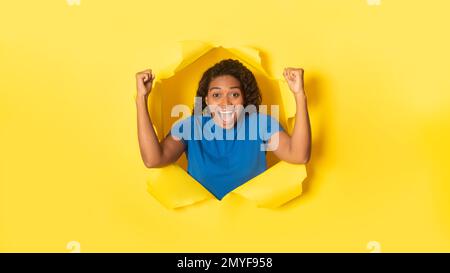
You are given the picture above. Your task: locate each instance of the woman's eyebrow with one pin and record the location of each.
(217, 87)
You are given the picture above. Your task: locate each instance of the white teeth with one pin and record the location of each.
(226, 115)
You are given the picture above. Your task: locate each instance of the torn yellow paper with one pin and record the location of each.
(274, 187)
(172, 186)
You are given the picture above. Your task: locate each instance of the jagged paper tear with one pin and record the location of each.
(173, 187)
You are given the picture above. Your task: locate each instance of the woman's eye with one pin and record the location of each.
(215, 95)
(235, 95)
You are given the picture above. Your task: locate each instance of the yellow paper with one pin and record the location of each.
(376, 77)
(172, 186)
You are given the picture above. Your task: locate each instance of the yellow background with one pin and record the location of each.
(377, 81)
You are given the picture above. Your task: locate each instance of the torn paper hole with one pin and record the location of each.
(172, 186)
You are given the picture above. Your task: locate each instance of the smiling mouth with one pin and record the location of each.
(227, 116)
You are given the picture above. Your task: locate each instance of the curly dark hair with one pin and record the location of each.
(250, 89)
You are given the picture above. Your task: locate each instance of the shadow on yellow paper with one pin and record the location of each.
(171, 185)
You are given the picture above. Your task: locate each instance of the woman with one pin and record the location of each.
(221, 164)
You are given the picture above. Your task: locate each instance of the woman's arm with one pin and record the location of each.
(153, 153)
(295, 148)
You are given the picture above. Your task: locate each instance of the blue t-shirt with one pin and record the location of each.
(223, 159)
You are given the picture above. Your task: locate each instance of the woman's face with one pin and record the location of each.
(225, 100)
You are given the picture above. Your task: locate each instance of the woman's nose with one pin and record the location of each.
(225, 101)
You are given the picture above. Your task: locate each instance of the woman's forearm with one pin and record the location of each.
(300, 145)
(150, 148)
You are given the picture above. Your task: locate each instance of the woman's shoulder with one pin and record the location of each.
(260, 116)
(269, 121)
(190, 120)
